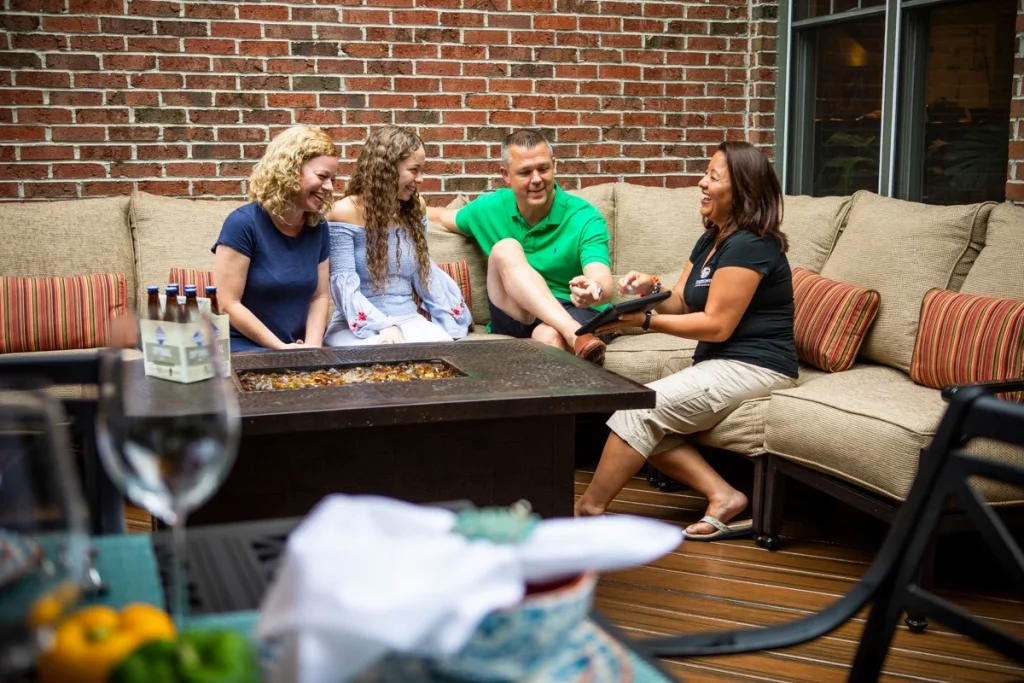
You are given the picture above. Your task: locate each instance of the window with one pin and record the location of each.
(908, 98)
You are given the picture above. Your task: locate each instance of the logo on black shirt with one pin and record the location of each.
(705, 277)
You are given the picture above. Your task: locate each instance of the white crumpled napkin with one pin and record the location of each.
(365, 575)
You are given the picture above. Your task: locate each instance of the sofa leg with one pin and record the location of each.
(773, 503)
(925, 576)
(757, 496)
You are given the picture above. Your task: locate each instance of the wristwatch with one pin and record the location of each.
(647, 321)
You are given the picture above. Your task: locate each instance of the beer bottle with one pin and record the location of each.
(191, 304)
(153, 302)
(211, 294)
(172, 311)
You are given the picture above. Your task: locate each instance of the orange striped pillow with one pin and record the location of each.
(830, 320)
(59, 313)
(963, 338)
(458, 271)
(190, 276)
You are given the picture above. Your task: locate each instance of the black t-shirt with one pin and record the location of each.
(764, 335)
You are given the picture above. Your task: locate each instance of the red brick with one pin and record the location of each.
(557, 118)
(432, 68)
(20, 97)
(318, 117)
(210, 10)
(510, 85)
(601, 88)
(43, 79)
(235, 29)
(104, 115)
(367, 84)
(24, 171)
(129, 62)
(369, 51)
(95, 6)
(324, 15)
(604, 24)
(555, 22)
(23, 133)
(216, 188)
(149, 8)
(76, 25)
(481, 37)
(263, 12)
(417, 84)
(291, 66)
(157, 45)
(45, 152)
(414, 51)
(98, 43)
(621, 40)
(39, 42)
(513, 118)
(79, 171)
(567, 87)
(162, 152)
(9, 190)
(190, 169)
(50, 190)
(43, 6)
(266, 48)
(640, 89)
(137, 27)
(168, 188)
(522, 54)
(72, 62)
(295, 32)
(70, 134)
(104, 152)
(134, 133)
(465, 118)
(415, 17)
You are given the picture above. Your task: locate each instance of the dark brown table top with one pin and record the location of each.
(503, 378)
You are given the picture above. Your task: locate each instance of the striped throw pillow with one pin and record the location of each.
(963, 338)
(191, 276)
(59, 313)
(458, 271)
(831, 319)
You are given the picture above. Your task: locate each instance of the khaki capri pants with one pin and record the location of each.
(693, 400)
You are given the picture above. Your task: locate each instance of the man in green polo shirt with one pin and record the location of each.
(548, 269)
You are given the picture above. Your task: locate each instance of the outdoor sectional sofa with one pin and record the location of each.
(856, 433)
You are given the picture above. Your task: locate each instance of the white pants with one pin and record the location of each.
(414, 327)
(693, 400)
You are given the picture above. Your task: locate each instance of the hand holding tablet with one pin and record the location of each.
(612, 313)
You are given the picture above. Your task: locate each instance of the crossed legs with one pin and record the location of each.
(520, 291)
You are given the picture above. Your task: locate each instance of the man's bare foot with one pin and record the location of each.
(723, 509)
(582, 509)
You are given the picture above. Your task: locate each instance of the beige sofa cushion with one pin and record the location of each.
(655, 228)
(174, 233)
(59, 239)
(999, 269)
(877, 421)
(811, 226)
(643, 357)
(743, 430)
(901, 250)
(603, 199)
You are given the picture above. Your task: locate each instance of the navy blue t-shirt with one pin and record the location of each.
(282, 270)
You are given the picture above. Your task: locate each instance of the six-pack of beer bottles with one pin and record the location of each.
(178, 308)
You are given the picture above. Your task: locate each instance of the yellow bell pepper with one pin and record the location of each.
(90, 644)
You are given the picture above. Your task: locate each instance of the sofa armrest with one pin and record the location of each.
(994, 387)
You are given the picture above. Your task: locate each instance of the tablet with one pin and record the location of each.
(612, 313)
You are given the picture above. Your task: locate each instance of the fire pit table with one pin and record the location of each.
(486, 421)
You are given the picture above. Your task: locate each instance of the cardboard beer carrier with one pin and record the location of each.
(176, 350)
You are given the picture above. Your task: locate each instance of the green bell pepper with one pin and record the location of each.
(195, 657)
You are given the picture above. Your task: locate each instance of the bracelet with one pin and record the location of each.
(647, 321)
(657, 284)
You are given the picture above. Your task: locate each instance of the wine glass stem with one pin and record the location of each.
(179, 578)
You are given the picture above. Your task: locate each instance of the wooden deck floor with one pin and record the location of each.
(732, 584)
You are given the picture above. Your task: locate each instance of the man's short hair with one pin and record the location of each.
(527, 138)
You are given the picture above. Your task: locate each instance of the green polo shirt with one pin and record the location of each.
(571, 236)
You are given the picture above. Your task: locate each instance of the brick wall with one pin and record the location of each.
(1015, 170)
(100, 97)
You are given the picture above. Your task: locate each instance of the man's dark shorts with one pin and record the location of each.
(503, 323)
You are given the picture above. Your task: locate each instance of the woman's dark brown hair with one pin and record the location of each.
(756, 194)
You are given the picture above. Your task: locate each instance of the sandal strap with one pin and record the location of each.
(715, 522)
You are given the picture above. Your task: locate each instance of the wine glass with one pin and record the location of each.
(169, 445)
(43, 522)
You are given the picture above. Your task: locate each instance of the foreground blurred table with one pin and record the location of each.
(502, 431)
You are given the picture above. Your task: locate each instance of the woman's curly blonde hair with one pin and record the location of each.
(274, 181)
(375, 182)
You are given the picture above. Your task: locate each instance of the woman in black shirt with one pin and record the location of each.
(735, 297)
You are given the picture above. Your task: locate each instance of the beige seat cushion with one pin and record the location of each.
(867, 426)
(59, 239)
(655, 228)
(901, 250)
(811, 226)
(174, 233)
(999, 269)
(743, 430)
(642, 357)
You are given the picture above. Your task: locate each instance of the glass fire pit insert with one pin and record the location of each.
(282, 379)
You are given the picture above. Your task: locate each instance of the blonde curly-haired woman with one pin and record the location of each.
(271, 258)
(379, 256)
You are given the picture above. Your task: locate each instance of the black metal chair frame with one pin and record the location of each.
(890, 584)
(106, 505)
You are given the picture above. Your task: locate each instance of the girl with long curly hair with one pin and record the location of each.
(270, 260)
(379, 256)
